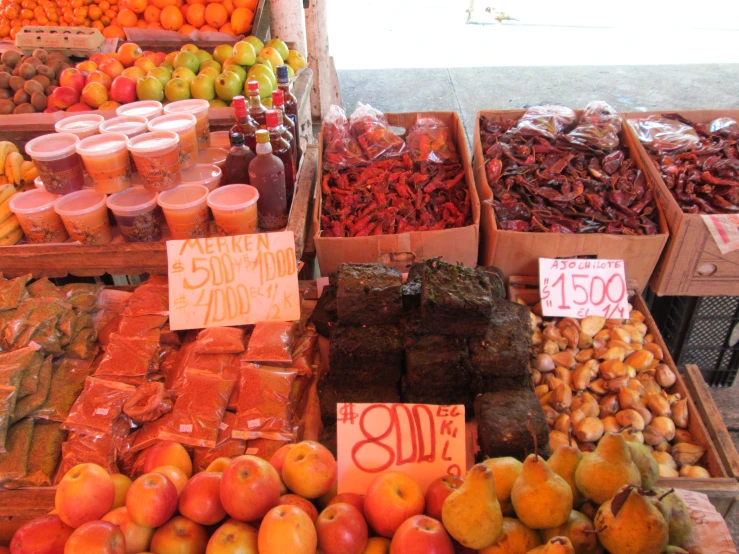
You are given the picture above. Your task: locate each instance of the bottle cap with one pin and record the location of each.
(278, 98)
(262, 136)
(237, 139)
(282, 75)
(272, 120)
(253, 86)
(239, 106)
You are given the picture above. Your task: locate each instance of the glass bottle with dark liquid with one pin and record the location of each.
(236, 169)
(283, 150)
(256, 110)
(244, 125)
(278, 100)
(267, 175)
(291, 102)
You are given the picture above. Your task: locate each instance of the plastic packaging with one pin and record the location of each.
(370, 128)
(199, 410)
(98, 407)
(271, 341)
(186, 211)
(35, 212)
(85, 216)
(235, 209)
(144, 108)
(140, 326)
(43, 288)
(129, 125)
(724, 125)
(8, 397)
(83, 449)
(264, 448)
(14, 462)
(150, 401)
(265, 406)
(430, 140)
(340, 149)
(146, 436)
(226, 446)
(214, 156)
(598, 128)
(219, 139)
(151, 298)
(304, 351)
(207, 175)
(13, 292)
(82, 296)
(32, 402)
(184, 125)
(13, 365)
(31, 369)
(220, 340)
(84, 125)
(107, 161)
(198, 108)
(67, 381)
(43, 457)
(664, 135)
(57, 161)
(135, 212)
(547, 121)
(129, 359)
(157, 159)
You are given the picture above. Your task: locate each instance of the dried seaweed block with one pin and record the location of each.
(412, 288)
(449, 397)
(365, 355)
(324, 314)
(14, 462)
(43, 458)
(329, 395)
(437, 361)
(497, 280)
(502, 419)
(455, 300)
(368, 294)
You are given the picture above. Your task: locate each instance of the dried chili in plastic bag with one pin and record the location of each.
(14, 462)
(129, 359)
(167, 360)
(188, 359)
(169, 337)
(35, 321)
(271, 341)
(84, 449)
(98, 407)
(13, 292)
(372, 131)
(72, 323)
(8, 397)
(724, 125)
(28, 404)
(83, 346)
(265, 404)
(67, 381)
(109, 305)
(149, 401)
(226, 446)
(151, 298)
(340, 149)
(220, 340)
(304, 351)
(547, 121)
(264, 448)
(43, 288)
(597, 129)
(82, 296)
(664, 135)
(199, 409)
(430, 140)
(43, 458)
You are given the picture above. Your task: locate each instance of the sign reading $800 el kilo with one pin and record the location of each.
(221, 281)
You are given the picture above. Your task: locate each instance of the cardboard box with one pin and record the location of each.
(452, 245)
(518, 253)
(692, 264)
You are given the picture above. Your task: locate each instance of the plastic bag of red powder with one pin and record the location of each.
(226, 446)
(151, 298)
(264, 448)
(199, 410)
(82, 449)
(130, 359)
(146, 436)
(220, 340)
(271, 341)
(265, 404)
(98, 410)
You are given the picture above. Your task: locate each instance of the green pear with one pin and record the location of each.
(471, 514)
(556, 545)
(630, 524)
(579, 529)
(678, 516)
(505, 470)
(541, 498)
(608, 468)
(516, 538)
(564, 463)
(645, 462)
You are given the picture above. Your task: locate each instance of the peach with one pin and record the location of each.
(180, 536)
(113, 68)
(200, 500)
(100, 537)
(151, 500)
(121, 483)
(135, 73)
(137, 536)
(305, 505)
(168, 453)
(392, 498)
(86, 67)
(99, 77)
(377, 545)
(287, 529)
(233, 537)
(250, 487)
(309, 469)
(85, 493)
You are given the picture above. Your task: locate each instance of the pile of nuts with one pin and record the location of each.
(595, 376)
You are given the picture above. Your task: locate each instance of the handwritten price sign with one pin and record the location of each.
(420, 440)
(579, 288)
(238, 280)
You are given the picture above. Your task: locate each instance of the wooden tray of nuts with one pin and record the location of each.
(594, 376)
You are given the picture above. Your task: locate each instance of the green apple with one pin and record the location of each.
(271, 54)
(218, 103)
(188, 60)
(177, 89)
(162, 74)
(240, 71)
(296, 60)
(261, 69)
(244, 53)
(255, 42)
(183, 73)
(171, 56)
(203, 56)
(278, 45)
(203, 88)
(223, 52)
(228, 85)
(210, 72)
(211, 63)
(265, 86)
(167, 65)
(189, 48)
(290, 72)
(265, 61)
(150, 88)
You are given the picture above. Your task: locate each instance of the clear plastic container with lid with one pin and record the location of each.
(198, 108)
(234, 209)
(136, 213)
(107, 161)
(184, 125)
(57, 162)
(83, 126)
(129, 125)
(219, 139)
(202, 174)
(157, 159)
(85, 216)
(186, 211)
(145, 108)
(214, 156)
(35, 212)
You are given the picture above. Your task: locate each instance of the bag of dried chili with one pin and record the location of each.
(271, 341)
(220, 340)
(67, 380)
(151, 298)
(98, 410)
(14, 462)
(547, 121)
(664, 135)
(129, 359)
(597, 129)
(340, 150)
(43, 458)
(7, 405)
(13, 292)
(372, 131)
(226, 446)
(304, 351)
(430, 140)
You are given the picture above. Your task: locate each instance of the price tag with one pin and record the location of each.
(421, 440)
(238, 280)
(579, 288)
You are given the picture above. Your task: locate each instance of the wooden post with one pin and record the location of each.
(288, 23)
(325, 81)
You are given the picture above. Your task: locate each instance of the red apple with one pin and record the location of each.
(421, 535)
(85, 493)
(305, 505)
(72, 78)
(94, 94)
(175, 474)
(123, 89)
(180, 536)
(98, 58)
(113, 68)
(200, 500)
(250, 487)
(233, 537)
(168, 453)
(437, 493)
(287, 529)
(351, 498)
(79, 107)
(341, 529)
(100, 537)
(137, 536)
(86, 67)
(99, 77)
(151, 500)
(45, 534)
(52, 109)
(309, 469)
(278, 458)
(219, 464)
(391, 499)
(63, 98)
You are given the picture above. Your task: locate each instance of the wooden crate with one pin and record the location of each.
(722, 488)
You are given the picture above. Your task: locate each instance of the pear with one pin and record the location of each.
(505, 471)
(645, 463)
(541, 498)
(471, 514)
(516, 538)
(678, 517)
(564, 462)
(579, 529)
(557, 545)
(607, 469)
(630, 524)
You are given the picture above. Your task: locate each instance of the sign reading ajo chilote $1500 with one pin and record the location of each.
(238, 280)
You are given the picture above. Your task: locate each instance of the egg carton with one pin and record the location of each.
(80, 42)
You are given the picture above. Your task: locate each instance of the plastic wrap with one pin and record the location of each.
(430, 140)
(149, 401)
(43, 458)
(141, 326)
(370, 128)
(146, 436)
(226, 446)
(98, 409)
(271, 341)
(67, 381)
(169, 337)
(7, 406)
(151, 298)
(664, 135)
(199, 410)
(81, 449)
(129, 359)
(724, 125)
(340, 150)
(303, 352)
(43, 288)
(83, 346)
(28, 404)
(265, 404)
(264, 448)
(598, 128)
(220, 340)
(187, 359)
(547, 121)
(35, 321)
(13, 365)
(13, 292)
(14, 462)
(29, 382)
(82, 296)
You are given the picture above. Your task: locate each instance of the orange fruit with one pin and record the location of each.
(196, 15)
(127, 18)
(229, 5)
(113, 32)
(153, 25)
(241, 20)
(111, 14)
(207, 29)
(104, 5)
(216, 15)
(161, 4)
(250, 4)
(187, 29)
(4, 30)
(141, 24)
(97, 25)
(137, 6)
(227, 29)
(183, 10)
(94, 13)
(11, 13)
(152, 13)
(171, 18)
